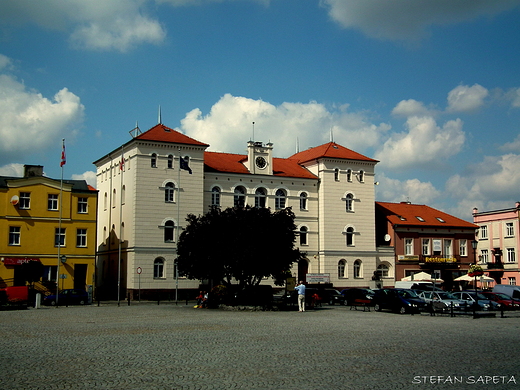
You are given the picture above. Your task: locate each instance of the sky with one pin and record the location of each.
(431, 89)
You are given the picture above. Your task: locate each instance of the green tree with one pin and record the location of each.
(246, 244)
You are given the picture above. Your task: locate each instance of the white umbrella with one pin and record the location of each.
(421, 277)
(467, 278)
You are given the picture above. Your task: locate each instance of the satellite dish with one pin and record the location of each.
(387, 237)
(15, 200)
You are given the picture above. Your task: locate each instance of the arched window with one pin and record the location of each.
(239, 198)
(350, 236)
(260, 197)
(280, 198)
(123, 194)
(349, 203)
(349, 175)
(158, 268)
(357, 269)
(336, 174)
(215, 196)
(362, 176)
(169, 192)
(382, 270)
(303, 201)
(170, 161)
(169, 228)
(114, 198)
(303, 235)
(153, 160)
(105, 201)
(342, 269)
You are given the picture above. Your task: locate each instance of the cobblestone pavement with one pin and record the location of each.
(150, 346)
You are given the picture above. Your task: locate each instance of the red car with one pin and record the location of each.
(504, 300)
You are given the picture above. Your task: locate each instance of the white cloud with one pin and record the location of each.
(89, 176)
(406, 19)
(229, 124)
(413, 190)
(15, 170)
(30, 122)
(513, 146)
(464, 98)
(5, 63)
(412, 107)
(424, 143)
(94, 24)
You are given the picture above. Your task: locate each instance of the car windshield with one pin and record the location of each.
(407, 293)
(502, 296)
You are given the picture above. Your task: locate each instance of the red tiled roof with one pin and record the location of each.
(406, 214)
(331, 150)
(233, 163)
(165, 134)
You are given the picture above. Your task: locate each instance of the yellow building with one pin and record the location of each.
(30, 218)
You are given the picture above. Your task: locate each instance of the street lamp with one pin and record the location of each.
(474, 244)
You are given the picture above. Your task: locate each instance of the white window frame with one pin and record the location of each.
(52, 202)
(304, 236)
(25, 201)
(510, 229)
(15, 235)
(280, 199)
(463, 247)
(215, 196)
(408, 246)
(81, 238)
(425, 246)
(303, 201)
(484, 256)
(59, 237)
(169, 192)
(448, 247)
(484, 232)
(82, 205)
(511, 255)
(158, 268)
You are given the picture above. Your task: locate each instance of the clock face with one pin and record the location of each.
(260, 162)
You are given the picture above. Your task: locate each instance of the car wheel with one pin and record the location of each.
(81, 302)
(377, 307)
(402, 310)
(53, 303)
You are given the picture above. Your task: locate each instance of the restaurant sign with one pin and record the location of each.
(440, 260)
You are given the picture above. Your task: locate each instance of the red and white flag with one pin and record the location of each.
(63, 158)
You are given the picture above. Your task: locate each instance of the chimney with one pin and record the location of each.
(32, 171)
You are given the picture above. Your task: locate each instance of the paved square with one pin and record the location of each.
(150, 346)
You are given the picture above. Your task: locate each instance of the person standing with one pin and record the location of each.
(301, 296)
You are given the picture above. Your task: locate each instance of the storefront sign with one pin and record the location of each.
(440, 260)
(318, 278)
(17, 260)
(408, 258)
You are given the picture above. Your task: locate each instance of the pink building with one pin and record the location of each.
(498, 243)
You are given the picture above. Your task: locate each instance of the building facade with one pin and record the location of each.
(149, 185)
(498, 243)
(425, 240)
(31, 209)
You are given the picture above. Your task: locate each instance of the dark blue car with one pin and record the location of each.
(399, 300)
(67, 297)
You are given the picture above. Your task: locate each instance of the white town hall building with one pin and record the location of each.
(145, 195)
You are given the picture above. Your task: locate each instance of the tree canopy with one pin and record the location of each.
(245, 244)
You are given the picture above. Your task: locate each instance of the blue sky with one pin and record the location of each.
(430, 88)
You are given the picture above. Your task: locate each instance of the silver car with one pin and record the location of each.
(441, 300)
(477, 301)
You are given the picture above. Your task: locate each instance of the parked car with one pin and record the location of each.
(504, 300)
(14, 296)
(442, 300)
(358, 296)
(399, 300)
(330, 296)
(416, 285)
(472, 298)
(509, 290)
(67, 297)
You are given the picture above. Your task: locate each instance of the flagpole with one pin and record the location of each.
(176, 269)
(62, 163)
(121, 167)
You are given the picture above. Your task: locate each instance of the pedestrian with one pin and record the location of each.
(301, 296)
(200, 299)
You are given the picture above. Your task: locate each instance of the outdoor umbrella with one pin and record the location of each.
(421, 277)
(467, 278)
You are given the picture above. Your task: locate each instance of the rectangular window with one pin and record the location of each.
(448, 248)
(483, 232)
(59, 237)
(511, 257)
(463, 247)
(426, 246)
(52, 202)
(81, 238)
(510, 232)
(512, 281)
(408, 246)
(25, 200)
(82, 205)
(14, 235)
(484, 257)
(49, 273)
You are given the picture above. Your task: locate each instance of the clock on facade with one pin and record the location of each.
(260, 162)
